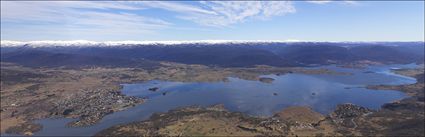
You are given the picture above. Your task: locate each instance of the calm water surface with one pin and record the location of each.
(320, 92)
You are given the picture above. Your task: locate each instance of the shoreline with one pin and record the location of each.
(347, 119)
(253, 74)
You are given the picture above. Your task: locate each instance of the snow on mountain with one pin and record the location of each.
(8, 43)
(86, 43)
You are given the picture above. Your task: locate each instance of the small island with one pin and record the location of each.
(266, 80)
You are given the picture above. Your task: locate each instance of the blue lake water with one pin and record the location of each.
(321, 92)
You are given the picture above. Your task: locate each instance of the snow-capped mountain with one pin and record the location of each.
(223, 53)
(86, 43)
(8, 43)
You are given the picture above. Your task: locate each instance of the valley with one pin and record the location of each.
(212, 68)
(86, 90)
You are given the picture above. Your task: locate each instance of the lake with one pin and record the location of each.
(321, 92)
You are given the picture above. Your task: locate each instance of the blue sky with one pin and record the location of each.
(213, 20)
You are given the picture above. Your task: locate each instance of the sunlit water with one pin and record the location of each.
(320, 92)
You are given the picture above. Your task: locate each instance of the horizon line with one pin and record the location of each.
(206, 40)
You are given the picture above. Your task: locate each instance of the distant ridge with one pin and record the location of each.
(86, 43)
(211, 53)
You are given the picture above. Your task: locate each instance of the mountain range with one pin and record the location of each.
(147, 54)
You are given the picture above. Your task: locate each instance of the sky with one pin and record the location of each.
(213, 20)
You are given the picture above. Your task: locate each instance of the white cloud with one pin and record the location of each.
(174, 6)
(78, 18)
(232, 12)
(224, 13)
(319, 1)
(94, 16)
(350, 2)
(88, 19)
